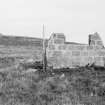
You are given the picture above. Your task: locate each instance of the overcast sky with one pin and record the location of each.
(75, 18)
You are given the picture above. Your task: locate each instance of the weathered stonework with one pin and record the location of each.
(68, 54)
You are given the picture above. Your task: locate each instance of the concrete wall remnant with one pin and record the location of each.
(69, 54)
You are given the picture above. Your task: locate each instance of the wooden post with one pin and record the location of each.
(44, 51)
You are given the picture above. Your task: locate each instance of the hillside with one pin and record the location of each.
(14, 49)
(20, 41)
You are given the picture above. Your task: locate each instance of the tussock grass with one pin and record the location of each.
(84, 85)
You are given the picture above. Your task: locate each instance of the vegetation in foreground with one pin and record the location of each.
(27, 86)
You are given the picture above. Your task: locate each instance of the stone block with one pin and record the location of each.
(62, 47)
(100, 63)
(68, 54)
(75, 64)
(69, 63)
(78, 59)
(58, 41)
(97, 59)
(99, 43)
(57, 53)
(91, 53)
(75, 53)
(76, 47)
(49, 53)
(95, 36)
(92, 42)
(80, 47)
(51, 47)
(100, 53)
(71, 47)
(97, 48)
(90, 60)
(90, 48)
(85, 60)
(84, 53)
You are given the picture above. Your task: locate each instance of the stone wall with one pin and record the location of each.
(62, 54)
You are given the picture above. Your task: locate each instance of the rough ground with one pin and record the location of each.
(21, 83)
(82, 86)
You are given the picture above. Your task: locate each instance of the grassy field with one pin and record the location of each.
(14, 49)
(22, 81)
(82, 86)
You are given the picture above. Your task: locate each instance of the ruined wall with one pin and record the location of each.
(61, 54)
